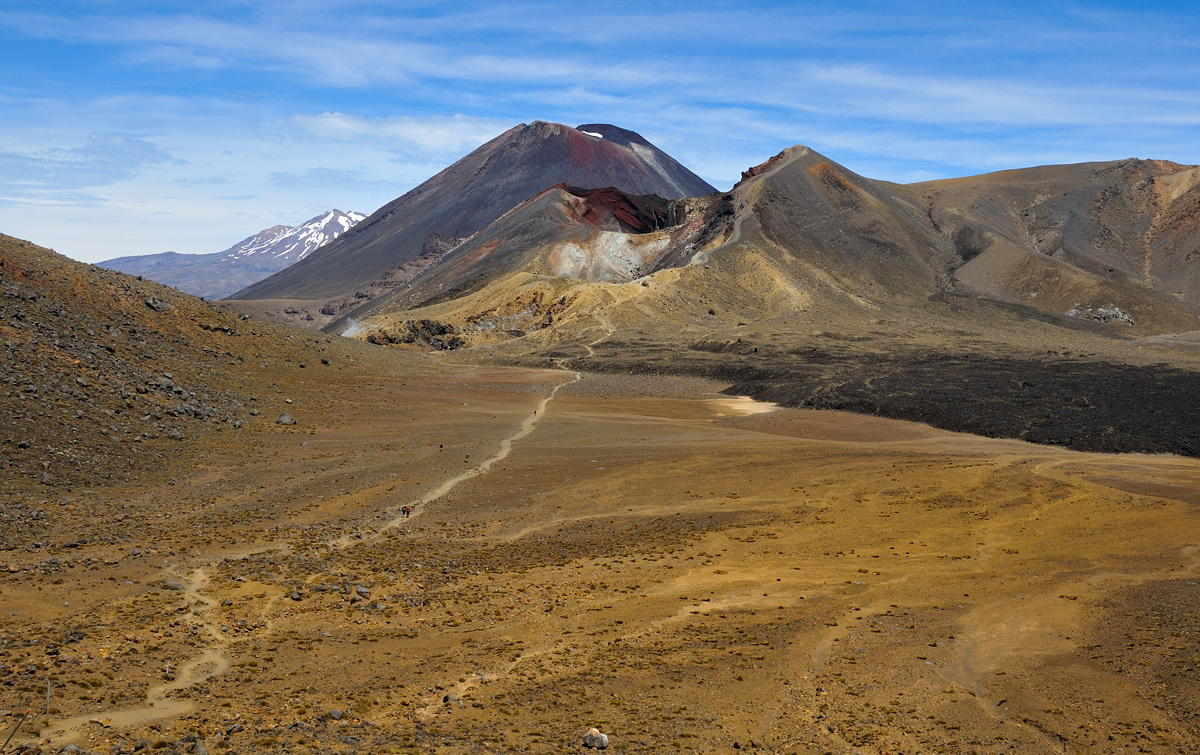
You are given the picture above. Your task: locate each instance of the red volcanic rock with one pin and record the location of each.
(633, 214)
(759, 169)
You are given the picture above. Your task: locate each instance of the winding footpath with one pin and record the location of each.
(159, 705)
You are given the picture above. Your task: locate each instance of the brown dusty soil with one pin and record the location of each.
(685, 574)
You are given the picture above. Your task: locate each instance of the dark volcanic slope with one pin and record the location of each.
(849, 227)
(472, 193)
(526, 240)
(1085, 406)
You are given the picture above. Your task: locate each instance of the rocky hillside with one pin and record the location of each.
(108, 378)
(215, 276)
(1113, 242)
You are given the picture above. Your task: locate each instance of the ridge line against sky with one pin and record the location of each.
(130, 127)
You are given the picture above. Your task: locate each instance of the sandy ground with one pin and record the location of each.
(702, 574)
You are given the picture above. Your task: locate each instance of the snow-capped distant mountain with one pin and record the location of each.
(214, 276)
(294, 244)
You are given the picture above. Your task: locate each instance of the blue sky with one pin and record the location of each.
(133, 127)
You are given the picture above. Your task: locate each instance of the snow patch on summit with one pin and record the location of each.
(290, 245)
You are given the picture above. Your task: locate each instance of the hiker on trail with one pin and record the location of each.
(406, 510)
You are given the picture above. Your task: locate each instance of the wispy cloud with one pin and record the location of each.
(320, 178)
(33, 203)
(204, 181)
(102, 160)
(869, 92)
(435, 134)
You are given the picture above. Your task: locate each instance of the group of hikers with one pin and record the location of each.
(406, 511)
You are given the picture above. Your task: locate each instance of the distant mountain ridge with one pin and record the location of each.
(214, 276)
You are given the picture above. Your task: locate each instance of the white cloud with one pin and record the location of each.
(869, 92)
(208, 173)
(435, 134)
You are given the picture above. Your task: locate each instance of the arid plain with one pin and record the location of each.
(682, 570)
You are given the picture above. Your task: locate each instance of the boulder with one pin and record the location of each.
(595, 740)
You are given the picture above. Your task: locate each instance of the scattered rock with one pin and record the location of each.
(335, 714)
(285, 419)
(595, 740)
(142, 744)
(1100, 314)
(422, 332)
(172, 584)
(296, 595)
(158, 305)
(449, 699)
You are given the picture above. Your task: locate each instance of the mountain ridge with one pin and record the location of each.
(804, 232)
(215, 275)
